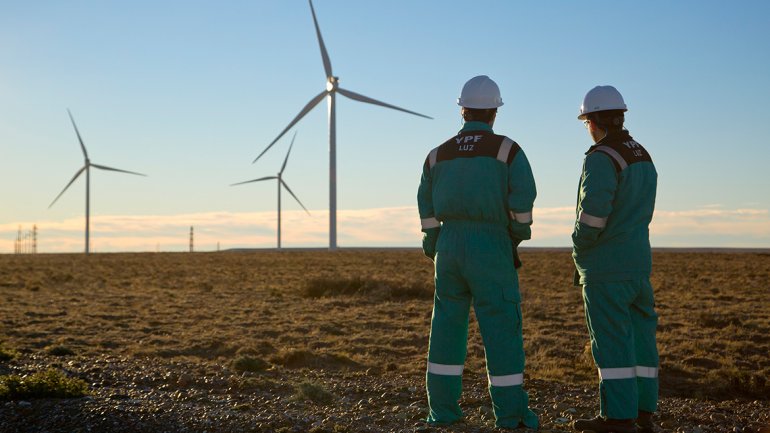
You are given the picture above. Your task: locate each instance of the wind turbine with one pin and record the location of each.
(279, 177)
(332, 88)
(87, 169)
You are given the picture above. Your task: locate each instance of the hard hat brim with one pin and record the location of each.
(583, 115)
(477, 106)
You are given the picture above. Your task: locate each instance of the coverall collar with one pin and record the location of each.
(622, 135)
(476, 126)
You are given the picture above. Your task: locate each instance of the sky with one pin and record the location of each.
(190, 92)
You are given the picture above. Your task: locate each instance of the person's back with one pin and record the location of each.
(475, 201)
(623, 186)
(471, 174)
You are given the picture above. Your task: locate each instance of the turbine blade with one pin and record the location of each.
(324, 54)
(102, 167)
(287, 153)
(309, 106)
(255, 180)
(295, 197)
(82, 146)
(368, 100)
(68, 185)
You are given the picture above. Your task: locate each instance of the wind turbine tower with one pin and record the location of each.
(87, 168)
(332, 88)
(281, 183)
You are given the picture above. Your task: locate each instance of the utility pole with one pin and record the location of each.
(26, 241)
(191, 239)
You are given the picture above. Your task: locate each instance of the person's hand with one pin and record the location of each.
(429, 239)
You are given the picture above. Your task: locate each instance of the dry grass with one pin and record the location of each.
(370, 310)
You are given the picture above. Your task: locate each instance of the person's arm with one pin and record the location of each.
(521, 198)
(597, 192)
(430, 225)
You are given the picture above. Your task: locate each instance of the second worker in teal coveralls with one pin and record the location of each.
(611, 249)
(475, 201)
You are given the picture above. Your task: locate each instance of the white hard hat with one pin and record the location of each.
(480, 92)
(601, 98)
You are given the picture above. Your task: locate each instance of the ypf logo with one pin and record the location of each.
(464, 142)
(636, 148)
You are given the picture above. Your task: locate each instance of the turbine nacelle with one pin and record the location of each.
(332, 83)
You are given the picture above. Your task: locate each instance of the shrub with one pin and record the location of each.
(59, 350)
(320, 287)
(7, 354)
(718, 321)
(299, 358)
(371, 288)
(313, 392)
(248, 363)
(734, 382)
(51, 383)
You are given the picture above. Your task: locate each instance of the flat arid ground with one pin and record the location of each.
(318, 341)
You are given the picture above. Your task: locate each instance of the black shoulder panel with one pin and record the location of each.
(623, 151)
(470, 144)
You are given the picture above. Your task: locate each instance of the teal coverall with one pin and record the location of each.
(475, 202)
(611, 250)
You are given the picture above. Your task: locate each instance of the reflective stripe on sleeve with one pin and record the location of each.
(615, 155)
(505, 149)
(432, 157)
(507, 380)
(430, 223)
(521, 217)
(592, 221)
(617, 373)
(648, 372)
(445, 369)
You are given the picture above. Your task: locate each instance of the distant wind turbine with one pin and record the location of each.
(332, 88)
(87, 169)
(279, 177)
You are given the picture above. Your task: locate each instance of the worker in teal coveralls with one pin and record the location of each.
(475, 202)
(611, 250)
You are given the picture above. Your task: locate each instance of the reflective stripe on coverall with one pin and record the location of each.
(616, 199)
(477, 189)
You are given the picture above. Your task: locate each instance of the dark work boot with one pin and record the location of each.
(644, 422)
(605, 425)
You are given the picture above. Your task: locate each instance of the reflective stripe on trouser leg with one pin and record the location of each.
(645, 323)
(448, 341)
(607, 307)
(494, 285)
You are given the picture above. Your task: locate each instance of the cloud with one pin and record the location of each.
(710, 226)
(398, 226)
(710, 221)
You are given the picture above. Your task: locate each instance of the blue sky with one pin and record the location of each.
(191, 92)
